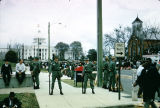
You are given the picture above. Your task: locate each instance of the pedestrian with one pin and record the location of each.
(35, 72)
(158, 68)
(139, 71)
(11, 101)
(150, 80)
(6, 72)
(138, 63)
(112, 74)
(87, 74)
(55, 70)
(20, 71)
(106, 73)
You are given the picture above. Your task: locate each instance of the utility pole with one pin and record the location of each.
(49, 54)
(38, 48)
(99, 42)
(48, 41)
(23, 51)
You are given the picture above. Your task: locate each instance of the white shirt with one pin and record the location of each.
(139, 70)
(6, 65)
(20, 67)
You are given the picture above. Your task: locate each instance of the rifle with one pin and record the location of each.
(33, 81)
(82, 83)
(49, 86)
(49, 78)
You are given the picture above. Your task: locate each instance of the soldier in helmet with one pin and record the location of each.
(55, 69)
(35, 72)
(31, 65)
(112, 72)
(106, 73)
(87, 73)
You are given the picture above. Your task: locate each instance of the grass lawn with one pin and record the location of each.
(71, 82)
(28, 100)
(44, 70)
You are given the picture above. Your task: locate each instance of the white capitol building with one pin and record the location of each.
(28, 51)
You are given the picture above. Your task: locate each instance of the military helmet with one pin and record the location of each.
(113, 57)
(106, 58)
(36, 58)
(86, 59)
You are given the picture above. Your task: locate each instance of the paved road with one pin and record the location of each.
(73, 98)
(126, 80)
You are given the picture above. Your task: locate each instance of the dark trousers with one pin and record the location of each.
(140, 91)
(20, 77)
(6, 78)
(149, 102)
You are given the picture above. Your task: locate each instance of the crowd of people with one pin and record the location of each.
(148, 75)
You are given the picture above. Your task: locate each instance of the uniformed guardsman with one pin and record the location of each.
(36, 71)
(106, 73)
(55, 69)
(31, 70)
(87, 73)
(112, 72)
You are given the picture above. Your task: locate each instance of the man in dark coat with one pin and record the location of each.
(11, 102)
(150, 80)
(6, 72)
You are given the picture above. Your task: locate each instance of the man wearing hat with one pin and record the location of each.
(106, 73)
(112, 72)
(55, 69)
(6, 72)
(87, 73)
(35, 72)
(11, 102)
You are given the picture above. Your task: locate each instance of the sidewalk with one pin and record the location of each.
(73, 97)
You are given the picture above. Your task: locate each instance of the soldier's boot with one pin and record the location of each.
(93, 91)
(34, 87)
(114, 90)
(37, 87)
(51, 92)
(61, 92)
(84, 92)
(104, 86)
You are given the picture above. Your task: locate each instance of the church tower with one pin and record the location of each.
(137, 28)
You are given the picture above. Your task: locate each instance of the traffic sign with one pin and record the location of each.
(119, 50)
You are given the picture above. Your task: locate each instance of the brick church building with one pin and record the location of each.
(141, 43)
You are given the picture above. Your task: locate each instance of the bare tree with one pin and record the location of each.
(120, 34)
(151, 32)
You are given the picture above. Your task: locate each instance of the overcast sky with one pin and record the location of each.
(19, 19)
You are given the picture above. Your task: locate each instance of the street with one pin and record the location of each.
(126, 80)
